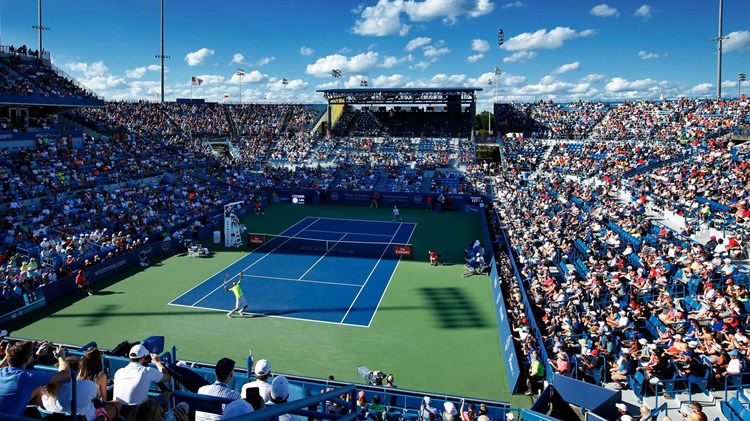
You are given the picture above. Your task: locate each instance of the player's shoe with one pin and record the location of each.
(229, 315)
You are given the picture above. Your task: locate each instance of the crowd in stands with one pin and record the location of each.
(616, 293)
(713, 185)
(568, 121)
(607, 160)
(25, 74)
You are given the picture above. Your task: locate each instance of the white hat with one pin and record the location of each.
(235, 408)
(509, 416)
(626, 418)
(280, 388)
(450, 408)
(138, 351)
(426, 400)
(621, 406)
(643, 341)
(262, 368)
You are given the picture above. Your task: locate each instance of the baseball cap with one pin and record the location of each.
(426, 400)
(595, 352)
(510, 416)
(138, 351)
(361, 394)
(280, 388)
(235, 408)
(621, 406)
(224, 367)
(262, 368)
(450, 408)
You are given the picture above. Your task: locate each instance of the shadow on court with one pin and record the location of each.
(453, 309)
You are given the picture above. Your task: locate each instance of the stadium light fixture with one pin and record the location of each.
(162, 56)
(284, 82)
(363, 83)
(240, 73)
(40, 27)
(740, 78)
(336, 73)
(719, 39)
(489, 112)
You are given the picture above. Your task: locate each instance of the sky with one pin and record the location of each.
(553, 50)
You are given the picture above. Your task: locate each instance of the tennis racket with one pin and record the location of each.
(226, 278)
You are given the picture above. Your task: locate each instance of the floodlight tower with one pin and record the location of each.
(40, 27)
(162, 56)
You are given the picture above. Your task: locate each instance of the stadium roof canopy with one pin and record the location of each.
(401, 95)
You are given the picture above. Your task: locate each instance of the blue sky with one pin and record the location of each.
(561, 50)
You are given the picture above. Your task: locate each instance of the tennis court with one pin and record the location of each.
(319, 269)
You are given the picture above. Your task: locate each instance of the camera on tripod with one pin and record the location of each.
(374, 378)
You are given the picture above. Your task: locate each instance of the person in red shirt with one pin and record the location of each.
(82, 284)
(435, 259)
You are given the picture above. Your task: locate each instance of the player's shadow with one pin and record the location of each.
(453, 309)
(104, 293)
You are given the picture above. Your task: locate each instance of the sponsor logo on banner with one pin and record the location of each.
(334, 195)
(256, 239)
(402, 250)
(418, 199)
(165, 246)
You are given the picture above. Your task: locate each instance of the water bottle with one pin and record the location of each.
(169, 416)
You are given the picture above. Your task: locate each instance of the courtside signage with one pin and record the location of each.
(402, 250)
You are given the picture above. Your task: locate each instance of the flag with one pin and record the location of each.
(226, 96)
(195, 81)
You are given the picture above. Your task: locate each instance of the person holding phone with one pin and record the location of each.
(224, 371)
(696, 413)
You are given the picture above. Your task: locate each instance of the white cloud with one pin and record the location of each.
(198, 57)
(475, 58)
(138, 72)
(593, 78)
(519, 57)
(95, 69)
(737, 41)
(480, 45)
(385, 17)
(565, 68)
(618, 84)
(306, 51)
(253, 77)
(392, 61)
(381, 20)
(643, 12)
(417, 42)
(542, 39)
(391, 81)
(513, 5)
(361, 63)
(103, 83)
(238, 58)
(265, 60)
(702, 89)
(277, 85)
(643, 55)
(422, 65)
(604, 11)
(433, 52)
(211, 79)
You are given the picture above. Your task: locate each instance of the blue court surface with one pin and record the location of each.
(320, 269)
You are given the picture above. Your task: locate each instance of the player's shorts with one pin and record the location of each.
(240, 302)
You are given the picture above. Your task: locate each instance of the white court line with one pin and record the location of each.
(353, 233)
(321, 257)
(408, 241)
(231, 264)
(366, 220)
(312, 281)
(270, 315)
(253, 264)
(370, 275)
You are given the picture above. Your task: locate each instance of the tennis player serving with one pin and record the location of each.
(240, 302)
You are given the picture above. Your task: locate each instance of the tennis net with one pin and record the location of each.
(270, 242)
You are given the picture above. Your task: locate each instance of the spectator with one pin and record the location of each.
(20, 386)
(426, 411)
(535, 374)
(262, 372)
(237, 408)
(91, 371)
(131, 383)
(224, 371)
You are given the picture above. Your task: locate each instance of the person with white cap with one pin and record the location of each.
(262, 372)
(450, 413)
(131, 383)
(427, 412)
(622, 411)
